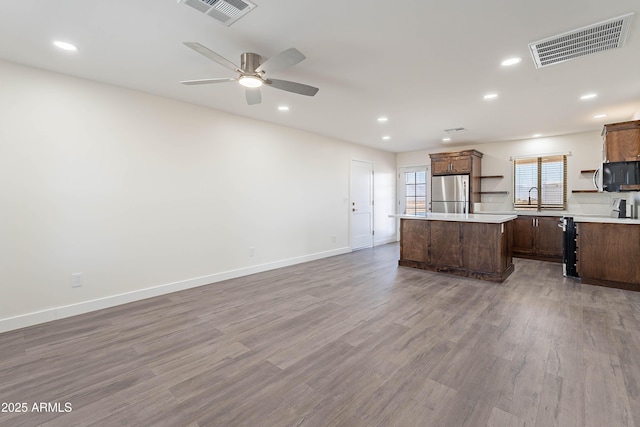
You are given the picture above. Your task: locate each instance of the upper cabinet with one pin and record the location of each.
(622, 141)
(460, 162)
(467, 162)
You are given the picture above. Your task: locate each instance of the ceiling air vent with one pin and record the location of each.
(605, 35)
(225, 11)
(455, 130)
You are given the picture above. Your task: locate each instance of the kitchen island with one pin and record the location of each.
(470, 245)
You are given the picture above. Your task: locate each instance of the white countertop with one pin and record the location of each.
(528, 212)
(605, 219)
(577, 217)
(492, 218)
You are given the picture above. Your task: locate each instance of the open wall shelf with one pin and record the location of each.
(493, 192)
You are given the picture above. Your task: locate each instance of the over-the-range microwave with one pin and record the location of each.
(619, 176)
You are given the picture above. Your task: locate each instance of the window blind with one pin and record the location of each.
(540, 182)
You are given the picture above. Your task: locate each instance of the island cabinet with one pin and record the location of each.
(608, 254)
(471, 249)
(622, 141)
(415, 236)
(537, 237)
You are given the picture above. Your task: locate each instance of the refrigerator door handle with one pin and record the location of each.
(464, 197)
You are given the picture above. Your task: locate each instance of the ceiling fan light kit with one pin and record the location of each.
(252, 72)
(250, 81)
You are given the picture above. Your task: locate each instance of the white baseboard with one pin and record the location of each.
(392, 239)
(61, 312)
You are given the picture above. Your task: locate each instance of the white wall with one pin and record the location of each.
(145, 195)
(586, 154)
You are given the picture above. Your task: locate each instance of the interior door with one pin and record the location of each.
(361, 204)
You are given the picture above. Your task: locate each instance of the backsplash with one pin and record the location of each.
(577, 203)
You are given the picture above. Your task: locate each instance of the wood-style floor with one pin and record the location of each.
(352, 341)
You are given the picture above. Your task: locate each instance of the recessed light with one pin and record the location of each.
(588, 96)
(510, 61)
(283, 108)
(536, 135)
(599, 116)
(446, 139)
(65, 46)
(491, 96)
(382, 119)
(386, 137)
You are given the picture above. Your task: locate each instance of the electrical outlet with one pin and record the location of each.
(333, 238)
(252, 251)
(76, 280)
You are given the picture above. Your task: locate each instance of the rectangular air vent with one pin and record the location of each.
(605, 35)
(455, 130)
(225, 11)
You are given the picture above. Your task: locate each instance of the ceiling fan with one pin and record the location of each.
(252, 72)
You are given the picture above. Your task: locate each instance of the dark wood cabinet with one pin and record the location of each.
(414, 241)
(478, 250)
(608, 254)
(440, 167)
(456, 163)
(467, 162)
(479, 246)
(461, 164)
(537, 237)
(524, 236)
(549, 237)
(446, 243)
(622, 141)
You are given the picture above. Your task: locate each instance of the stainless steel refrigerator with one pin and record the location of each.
(450, 194)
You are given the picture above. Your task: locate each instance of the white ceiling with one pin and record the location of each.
(425, 64)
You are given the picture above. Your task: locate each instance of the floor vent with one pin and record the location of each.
(594, 38)
(225, 11)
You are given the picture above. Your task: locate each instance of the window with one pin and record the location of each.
(415, 192)
(540, 182)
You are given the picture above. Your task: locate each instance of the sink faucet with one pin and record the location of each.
(530, 193)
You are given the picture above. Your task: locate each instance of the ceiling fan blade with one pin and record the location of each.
(281, 61)
(207, 81)
(294, 87)
(202, 50)
(253, 96)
